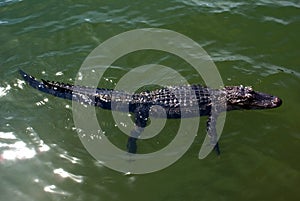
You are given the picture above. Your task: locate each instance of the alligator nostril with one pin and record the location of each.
(277, 101)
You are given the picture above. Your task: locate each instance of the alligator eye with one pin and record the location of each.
(242, 88)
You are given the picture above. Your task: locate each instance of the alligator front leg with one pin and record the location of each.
(212, 132)
(141, 115)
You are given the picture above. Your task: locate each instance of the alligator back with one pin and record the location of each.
(175, 100)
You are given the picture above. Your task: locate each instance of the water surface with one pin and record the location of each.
(251, 42)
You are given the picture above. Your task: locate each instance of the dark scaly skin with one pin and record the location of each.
(178, 102)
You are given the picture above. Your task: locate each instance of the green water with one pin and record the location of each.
(252, 43)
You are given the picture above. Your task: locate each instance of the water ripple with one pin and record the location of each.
(64, 174)
(20, 20)
(54, 190)
(4, 90)
(265, 69)
(276, 20)
(216, 6)
(65, 52)
(278, 3)
(262, 10)
(224, 55)
(13, 149)
(69, 158)
(269, 69)
(7, 2)
(16, 151)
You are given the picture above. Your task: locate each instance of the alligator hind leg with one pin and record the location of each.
(212, 132)
(141, 115)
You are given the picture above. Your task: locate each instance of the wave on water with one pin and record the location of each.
(7, 2)
(265, 68)
(4, 90)
(14, 149)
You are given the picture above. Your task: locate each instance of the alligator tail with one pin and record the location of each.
(54, 88)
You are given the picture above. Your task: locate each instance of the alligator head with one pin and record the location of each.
(240, 97)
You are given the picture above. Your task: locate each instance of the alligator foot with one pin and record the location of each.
(131, 145)
(217, 149)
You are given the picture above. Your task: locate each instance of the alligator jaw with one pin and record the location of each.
(240, 97)
(264, 101)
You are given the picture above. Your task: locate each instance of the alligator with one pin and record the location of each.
(178, 101)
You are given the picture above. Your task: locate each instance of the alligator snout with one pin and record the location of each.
(276, 101)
